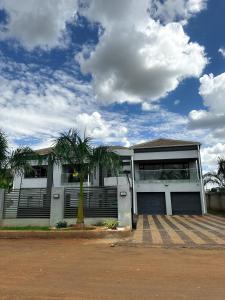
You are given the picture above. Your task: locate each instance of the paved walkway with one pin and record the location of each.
(180, 230)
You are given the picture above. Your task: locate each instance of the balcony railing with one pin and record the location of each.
(167, 175)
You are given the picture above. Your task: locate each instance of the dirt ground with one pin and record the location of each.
(72, 269)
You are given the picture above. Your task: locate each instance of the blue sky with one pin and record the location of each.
(123, 71)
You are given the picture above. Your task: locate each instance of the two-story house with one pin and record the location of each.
(165, 176)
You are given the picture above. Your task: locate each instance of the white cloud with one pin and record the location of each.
(212, 90)
(137, 61)
(38, 23)
(176, 10)
(210, 156)
(41, 103)
(222, 51)
(177, 102)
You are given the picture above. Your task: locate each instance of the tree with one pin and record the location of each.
(12, 162)
(71, 148)
(218, 177)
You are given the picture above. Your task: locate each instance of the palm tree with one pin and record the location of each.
(12, 162)
(71, 148)
(218, 177)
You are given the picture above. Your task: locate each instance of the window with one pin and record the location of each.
(70, 175)
(37, 172)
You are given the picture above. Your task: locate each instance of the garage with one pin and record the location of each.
(151, 203)
(188, 203)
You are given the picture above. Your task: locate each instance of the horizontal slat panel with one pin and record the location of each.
(98, 202)
(27, 203)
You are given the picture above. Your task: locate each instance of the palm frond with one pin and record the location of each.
(3, 147)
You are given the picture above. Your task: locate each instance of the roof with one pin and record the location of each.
(118, 147)
(44, 151)
(164, 143)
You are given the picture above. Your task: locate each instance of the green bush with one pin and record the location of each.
(61, 225)
(111, 224)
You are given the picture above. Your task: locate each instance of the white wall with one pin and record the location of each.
(29, 182)
(166, 155)
(168, 188)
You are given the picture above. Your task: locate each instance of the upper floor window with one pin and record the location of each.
(37, 172)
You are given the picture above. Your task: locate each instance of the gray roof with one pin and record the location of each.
(44, 151)
(164, 143)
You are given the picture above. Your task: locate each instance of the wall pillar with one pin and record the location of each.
(124, 205)
(2, 196)
(57, 206)
(168, 203)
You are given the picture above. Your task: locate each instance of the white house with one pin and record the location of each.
(164, 175)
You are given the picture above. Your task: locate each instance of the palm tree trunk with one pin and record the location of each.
(80, 213)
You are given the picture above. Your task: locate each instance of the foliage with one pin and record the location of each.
(111, 224)
(32, 228)
(218, 177)
(61, 225)
(13, 162)
(71, 148)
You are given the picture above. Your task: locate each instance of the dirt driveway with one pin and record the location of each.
(72, 269)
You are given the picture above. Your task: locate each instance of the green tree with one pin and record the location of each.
(12, 162)
(218, 177)
(77, 151)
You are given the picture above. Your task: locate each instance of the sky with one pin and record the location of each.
(123, 72)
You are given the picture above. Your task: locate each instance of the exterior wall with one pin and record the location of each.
(124, 199)
(57, 171)
(114, 181)
(29, 182)
(166, 155)
(215, 201)
(88, 221)
(25, 222)
(167, 188)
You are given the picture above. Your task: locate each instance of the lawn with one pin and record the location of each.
(45, 228)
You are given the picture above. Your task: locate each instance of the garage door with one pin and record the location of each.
(186, 203)
(151, 203)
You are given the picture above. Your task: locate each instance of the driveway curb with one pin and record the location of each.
(68, 234)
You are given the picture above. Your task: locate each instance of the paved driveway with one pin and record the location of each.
(180, 230)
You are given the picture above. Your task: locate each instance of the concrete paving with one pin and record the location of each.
(180, 230)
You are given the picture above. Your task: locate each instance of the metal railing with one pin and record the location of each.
(27, 203)
(98, 202)
(167, 175)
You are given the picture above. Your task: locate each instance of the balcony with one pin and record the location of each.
(181, 175)
(70, 179)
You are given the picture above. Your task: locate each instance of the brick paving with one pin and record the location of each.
(180, 230)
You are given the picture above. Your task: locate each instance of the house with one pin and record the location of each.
(164, 175)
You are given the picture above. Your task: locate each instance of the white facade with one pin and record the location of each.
(132, 158)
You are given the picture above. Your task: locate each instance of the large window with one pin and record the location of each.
(37, 172)
(69, 174)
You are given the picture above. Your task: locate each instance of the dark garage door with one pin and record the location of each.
(186, 203)
(151, 203)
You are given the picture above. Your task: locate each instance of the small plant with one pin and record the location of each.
(61, 225)
(111, 224)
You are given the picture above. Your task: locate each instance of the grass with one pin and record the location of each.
(217, 212)
(42, 228)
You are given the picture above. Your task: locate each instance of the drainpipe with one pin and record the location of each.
(133, 188)
(201, 180)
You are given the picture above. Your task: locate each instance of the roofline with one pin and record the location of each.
(165, 146)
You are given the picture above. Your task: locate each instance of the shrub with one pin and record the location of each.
(111, 224)
(61, 225)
